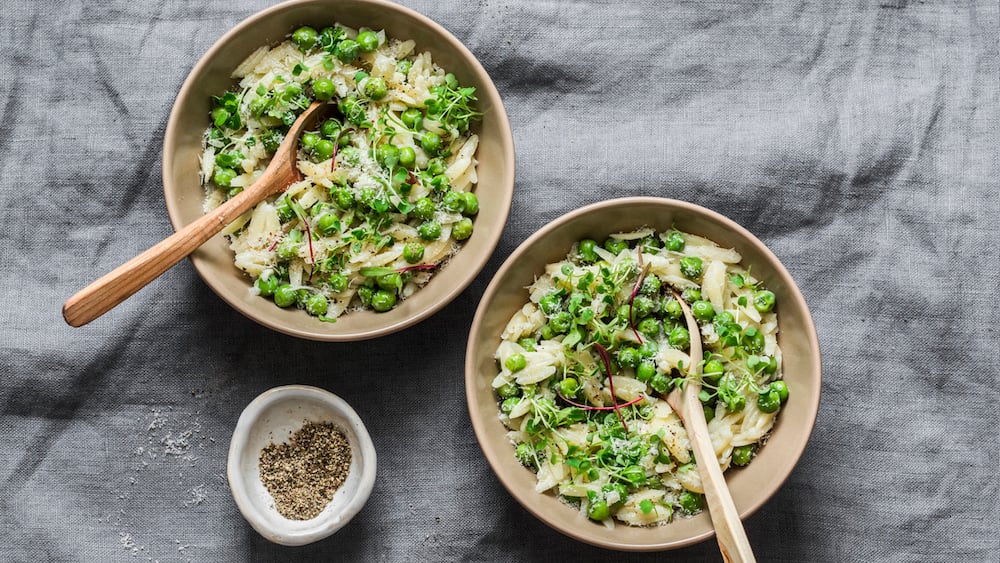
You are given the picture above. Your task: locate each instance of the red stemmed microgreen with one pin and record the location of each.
(593, 408)
(603, 353)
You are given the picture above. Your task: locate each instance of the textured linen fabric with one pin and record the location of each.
(858, 140)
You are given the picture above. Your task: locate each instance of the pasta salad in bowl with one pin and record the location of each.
(579, 338)
(388, 219)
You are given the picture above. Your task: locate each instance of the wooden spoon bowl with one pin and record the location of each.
(729, 530)
(114, 287)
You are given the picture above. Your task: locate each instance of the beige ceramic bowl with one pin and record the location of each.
(751, 486)
(211, 76)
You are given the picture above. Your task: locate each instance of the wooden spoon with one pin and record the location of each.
(116, 286)
(729, 530)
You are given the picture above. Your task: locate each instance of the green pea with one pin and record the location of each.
(642, 306)
(323, 89)
(618, 488)
(724, 318)
(598, 510)
(365, 294)
(753, 340)
(660, 383)
(453, 201)
(508, 404)
(407, 157)
(651, 244)
(691, 295)
(649, 327)
(330, 128)
(413, 252)
(267, 285)
(691, 502)
(272, 140)
(429, 230)
(224, 177)
(471, 204)
(328, 224)
(375, 88)
(304, 38)
(436, 166)
(550, 303)
(628, 357)
(508, 390)
(404, 66)
(772, 364)
(742, 455)
(525, 455)
(367, 41)
(347, 50)
(316, 304)
(463, 229)
(648, 349)
(233, 192)
(323, 150)
(781, 388)
(389, 281)
(646, 371)
(763, 300)
(343, 198)
(383, 300)
(615, 246)
(285, 295)
(569, 386)
(712, 371)
(412, 118)
(675, 241)
(561, 322)
(388, 155)
(527, 343)
(440, 183)
(673, 309)
(691, 267)
(353, 110)
(650, 286)
(431, 142)
(308, 140)
(586, 250)
(338, 282)
(679, 338)
(288, 248)
(702, 310)
(769, 400)
(516, 362)
(424, 208)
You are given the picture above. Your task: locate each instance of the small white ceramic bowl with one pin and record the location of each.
(273, 417)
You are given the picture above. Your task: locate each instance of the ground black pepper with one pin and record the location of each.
(303, 474)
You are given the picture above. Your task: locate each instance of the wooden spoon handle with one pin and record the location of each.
(733, 542)
(114, 287)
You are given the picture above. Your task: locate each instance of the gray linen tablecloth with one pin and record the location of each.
(858, 140)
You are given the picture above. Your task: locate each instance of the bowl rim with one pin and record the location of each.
(479, 421)
(506, 141)
(237, 447)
